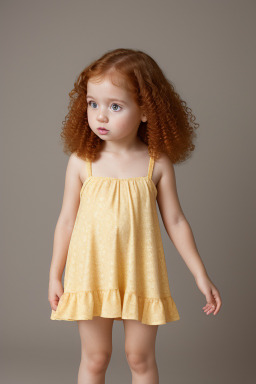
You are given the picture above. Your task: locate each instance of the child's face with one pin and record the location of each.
(121, 116)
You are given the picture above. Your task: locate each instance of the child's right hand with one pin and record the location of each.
(55, 292)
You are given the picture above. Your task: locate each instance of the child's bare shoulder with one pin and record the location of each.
(163, 159)
(78, 164)
(74, 158)
(163, 165)
(75, 164)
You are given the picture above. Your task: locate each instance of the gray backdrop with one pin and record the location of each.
(207, 48)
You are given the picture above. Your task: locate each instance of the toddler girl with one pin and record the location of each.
(125, 130)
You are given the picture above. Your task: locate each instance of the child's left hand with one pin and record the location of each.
(211, 293)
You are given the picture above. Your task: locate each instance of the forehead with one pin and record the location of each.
(107, 85)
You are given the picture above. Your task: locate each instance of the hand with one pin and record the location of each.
(55, 292)
(211, 293)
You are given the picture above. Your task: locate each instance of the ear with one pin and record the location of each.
(143, 118)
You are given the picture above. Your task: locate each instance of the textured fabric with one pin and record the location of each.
(116, 265)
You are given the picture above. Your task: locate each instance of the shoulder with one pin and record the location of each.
(79, 166)
(163, 160)
(75, 164)
(164, 166)
(74, 161)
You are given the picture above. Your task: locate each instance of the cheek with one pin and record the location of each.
(90, 117)
(125, 120)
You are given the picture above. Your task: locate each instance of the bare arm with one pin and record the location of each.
(175, 221)
(180, 231)
(66, 218)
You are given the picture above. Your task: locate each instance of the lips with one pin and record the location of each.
(103, 131)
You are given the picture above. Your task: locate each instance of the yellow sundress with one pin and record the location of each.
(115, 265)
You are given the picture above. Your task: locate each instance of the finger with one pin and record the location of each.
(216, 293)
(209, 297)
(218, 301)
(210, 300)
(210, 310)
(54, 303)
(217, 298)
(209, 304)
(53, 306)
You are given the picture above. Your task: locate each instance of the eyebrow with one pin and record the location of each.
(111, 99)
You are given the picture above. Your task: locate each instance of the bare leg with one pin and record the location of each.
(96, 349)
(140, 351)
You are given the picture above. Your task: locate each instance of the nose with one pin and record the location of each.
(101, 116)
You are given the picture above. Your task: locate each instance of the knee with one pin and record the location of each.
(97, 362)
(139, 362)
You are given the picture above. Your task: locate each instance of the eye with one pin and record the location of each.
(91, 102)
(117, 106)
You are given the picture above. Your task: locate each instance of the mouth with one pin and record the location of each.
(102, 130)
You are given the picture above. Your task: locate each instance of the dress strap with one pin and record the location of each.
(88, 168)
(151, 167)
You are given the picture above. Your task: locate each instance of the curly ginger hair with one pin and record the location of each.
(170, 126)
